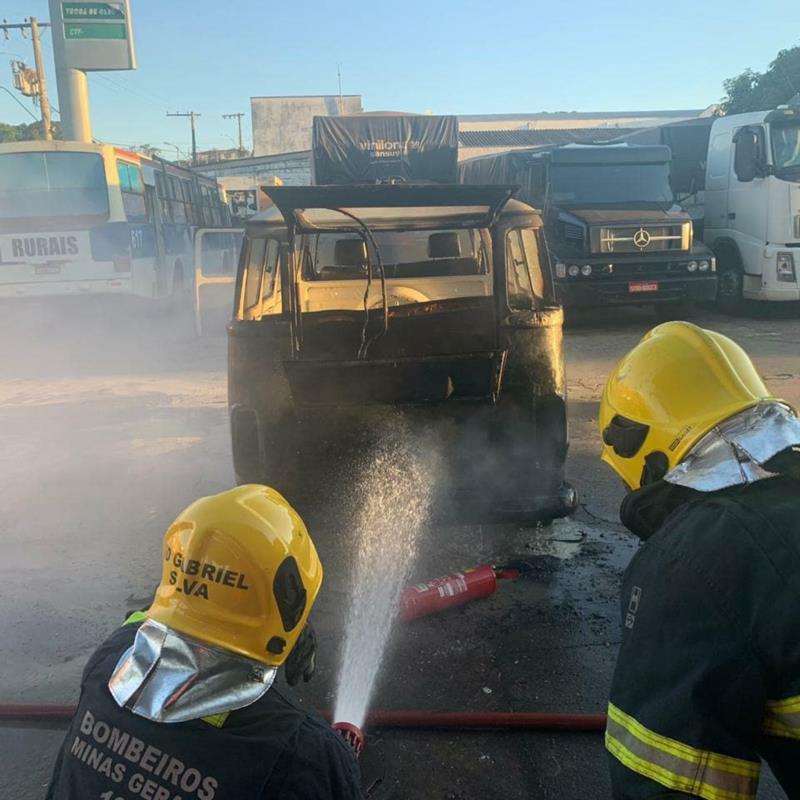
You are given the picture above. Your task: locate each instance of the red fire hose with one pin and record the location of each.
(417, 601)
(423, 720)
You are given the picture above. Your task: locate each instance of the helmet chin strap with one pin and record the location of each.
(656, 466)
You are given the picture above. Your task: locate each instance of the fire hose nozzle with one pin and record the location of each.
(352, 734)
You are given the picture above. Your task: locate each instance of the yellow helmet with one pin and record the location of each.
(239, 571)
(668, 392)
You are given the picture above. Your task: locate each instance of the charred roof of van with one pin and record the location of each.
(313, 208)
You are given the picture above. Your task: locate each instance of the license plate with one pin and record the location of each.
(48, 269)
(642, 286)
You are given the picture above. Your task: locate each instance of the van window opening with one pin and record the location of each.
(525, 280)
(410, 254)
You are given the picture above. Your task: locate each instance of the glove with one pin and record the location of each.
(303, 658)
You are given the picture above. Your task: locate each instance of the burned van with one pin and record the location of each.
(432, 299)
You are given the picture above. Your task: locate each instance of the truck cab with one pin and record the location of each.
(752, 204)
(431, 299)
(614, 232)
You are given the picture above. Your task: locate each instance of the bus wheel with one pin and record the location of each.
(730, 281)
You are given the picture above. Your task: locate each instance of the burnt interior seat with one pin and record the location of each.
(444, 259)
(350, 261)
(438, 268)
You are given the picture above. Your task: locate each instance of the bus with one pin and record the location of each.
(79, 218)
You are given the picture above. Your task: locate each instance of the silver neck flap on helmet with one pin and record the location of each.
(166, 676)
(735, 451)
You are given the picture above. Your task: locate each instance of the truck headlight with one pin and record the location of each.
(574, 270)
(784, 267)
(561, 270)
(703, 266)
(586, 270)
(692, 266)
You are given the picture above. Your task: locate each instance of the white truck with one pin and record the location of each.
(740, 175)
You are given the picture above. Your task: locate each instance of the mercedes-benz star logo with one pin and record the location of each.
(641, 238)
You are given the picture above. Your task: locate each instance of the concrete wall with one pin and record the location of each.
(283, 124)
(294, 169)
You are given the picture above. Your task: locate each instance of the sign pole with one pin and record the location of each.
(88, 35)
(73, 90)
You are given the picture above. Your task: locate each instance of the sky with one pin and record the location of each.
(467, 57)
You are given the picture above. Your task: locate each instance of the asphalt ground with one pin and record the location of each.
(113, 418)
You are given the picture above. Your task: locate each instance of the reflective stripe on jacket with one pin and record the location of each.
(707, 681)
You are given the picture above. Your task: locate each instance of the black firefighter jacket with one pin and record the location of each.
(707, 682)
(271, 749)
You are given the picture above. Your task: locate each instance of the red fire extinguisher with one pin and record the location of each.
(452, 590)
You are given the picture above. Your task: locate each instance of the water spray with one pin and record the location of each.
(392, 496)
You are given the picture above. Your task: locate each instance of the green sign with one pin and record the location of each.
(91, 11)
(95, 30)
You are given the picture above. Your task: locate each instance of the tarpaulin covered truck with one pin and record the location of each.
(740, 177)
(614, 232)
(391, 287)
(373, 148)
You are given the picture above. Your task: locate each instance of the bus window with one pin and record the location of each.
(124, 178)
(132, 186)
(135, 175)
(38, 185)
(161, 190)
(176, 203)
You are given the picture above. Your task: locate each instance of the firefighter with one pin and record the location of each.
(707, 681)
(186, 700)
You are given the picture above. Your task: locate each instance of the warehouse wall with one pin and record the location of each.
(293, 169)
(283, 124)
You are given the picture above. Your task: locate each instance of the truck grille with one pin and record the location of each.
(642, 238)
(573, 233)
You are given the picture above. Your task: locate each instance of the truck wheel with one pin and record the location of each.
(730, 281)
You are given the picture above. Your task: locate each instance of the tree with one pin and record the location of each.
(26, 132)
(762, 91)
(150, 150)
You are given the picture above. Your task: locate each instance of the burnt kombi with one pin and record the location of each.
(430, 298)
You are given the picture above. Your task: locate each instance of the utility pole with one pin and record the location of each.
(239, 120)
(41, 82)
(192, 116)
(44, 102)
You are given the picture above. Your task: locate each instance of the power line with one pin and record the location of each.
(153, 99)
(19, 102)
(238, 117)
